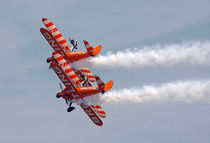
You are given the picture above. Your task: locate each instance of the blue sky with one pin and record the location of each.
(29, 109)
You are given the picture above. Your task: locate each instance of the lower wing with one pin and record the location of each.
(99, 111)
(91, 114)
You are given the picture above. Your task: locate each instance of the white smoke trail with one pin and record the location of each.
(180, 91)
(194, 53)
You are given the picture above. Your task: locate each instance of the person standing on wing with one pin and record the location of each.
(74, 44)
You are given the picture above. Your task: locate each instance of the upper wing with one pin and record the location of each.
(92, 115)
(52, 41)
(64, 78)
(99, 111)
(67, 68)
(58, 36)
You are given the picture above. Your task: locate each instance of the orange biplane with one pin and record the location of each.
(60, 45)
(76, 91)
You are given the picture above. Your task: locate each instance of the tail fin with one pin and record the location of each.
(102, 85)
(91, 50)
(88, 47)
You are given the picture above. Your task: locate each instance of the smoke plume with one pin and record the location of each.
(180, 91)
(194, 53)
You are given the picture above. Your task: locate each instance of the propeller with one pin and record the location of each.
(49, 67)
(61, 86)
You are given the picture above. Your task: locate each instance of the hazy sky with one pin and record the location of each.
(30, 111)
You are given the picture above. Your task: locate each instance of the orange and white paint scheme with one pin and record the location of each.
(76, 81)
(74, 89)
(60, 45)
(99, 111)
(67, 74)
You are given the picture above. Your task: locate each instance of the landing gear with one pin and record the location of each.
(103, 91)
(69, 109)
(67, 99)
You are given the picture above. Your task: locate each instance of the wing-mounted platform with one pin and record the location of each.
(58, 36)
(91, 114)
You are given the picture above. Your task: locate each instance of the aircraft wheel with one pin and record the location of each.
(70, 109)
(103, 91)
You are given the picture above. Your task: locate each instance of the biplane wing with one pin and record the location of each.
(52, 41)
(91, 114)
(99, 111)
(65, 79)
(67, 69)
(58, 36)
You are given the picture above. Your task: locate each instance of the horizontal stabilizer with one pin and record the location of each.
(108, 85)
(97, 50)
